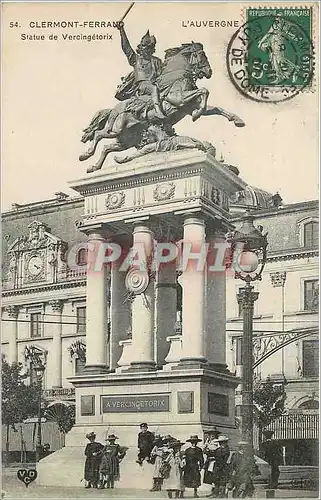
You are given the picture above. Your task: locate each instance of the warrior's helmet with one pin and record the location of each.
(147, 42)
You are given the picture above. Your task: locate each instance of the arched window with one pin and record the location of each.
(82, 257)
(311, 234)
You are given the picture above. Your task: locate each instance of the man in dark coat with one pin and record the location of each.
(243, 468)
(93, 458)
(194, 463)
(145, 443)
(272, 454)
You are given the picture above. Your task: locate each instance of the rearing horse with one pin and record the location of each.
(128, 120)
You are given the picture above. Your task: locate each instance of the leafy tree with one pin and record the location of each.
(19, 401)
(268, 402)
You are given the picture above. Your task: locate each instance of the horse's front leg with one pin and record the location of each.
(99, 135)
(215, 110)
(199, 111)
(109, 148)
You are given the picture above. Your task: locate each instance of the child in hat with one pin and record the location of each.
(156, 458)
(112, 455)
(194, 463)
(145, 443)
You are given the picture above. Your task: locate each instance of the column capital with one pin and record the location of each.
(140, 228)
(278, 278)
(246, 297)
(12, 311)
(97, 236)
(193, 220)
(56, 305)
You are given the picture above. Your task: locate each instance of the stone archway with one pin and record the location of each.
(310, 404)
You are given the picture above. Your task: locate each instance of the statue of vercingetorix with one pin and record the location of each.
(153, 98)
(147, 68)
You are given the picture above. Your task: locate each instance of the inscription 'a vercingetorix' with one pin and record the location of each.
(134, 404)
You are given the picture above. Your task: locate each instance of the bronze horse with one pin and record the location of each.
(129, 120)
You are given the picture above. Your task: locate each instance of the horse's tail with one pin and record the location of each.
(97, 123)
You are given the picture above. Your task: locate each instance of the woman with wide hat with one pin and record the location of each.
(194, 463)
(93, 458)
(112, 455)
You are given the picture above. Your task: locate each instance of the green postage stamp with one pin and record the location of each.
(276, 49)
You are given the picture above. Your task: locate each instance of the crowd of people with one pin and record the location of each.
(176, 469)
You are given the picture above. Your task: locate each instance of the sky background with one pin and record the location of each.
(51, 90)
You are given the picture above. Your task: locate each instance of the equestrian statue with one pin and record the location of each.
(153, 97)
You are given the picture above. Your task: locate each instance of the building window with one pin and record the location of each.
(79, 366)
(311, 234)
(239, 352)
(81, 319)
(35, 324)
(82, 257)
(310, 357)
(311, 295)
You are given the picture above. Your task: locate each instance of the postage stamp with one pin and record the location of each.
(271, 57)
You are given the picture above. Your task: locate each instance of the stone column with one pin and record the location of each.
(143, 311)
(56, 349)
(120, 314)
(247, 297)
(96, 307)
(13, 313)
(193, 303)
(216, 306)
(278, 280)
(166, 299)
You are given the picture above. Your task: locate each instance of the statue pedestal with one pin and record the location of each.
(180, 403)
(184, 389)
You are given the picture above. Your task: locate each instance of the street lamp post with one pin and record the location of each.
(249, 245)
(39, 369)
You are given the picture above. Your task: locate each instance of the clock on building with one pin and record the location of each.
(35, 265)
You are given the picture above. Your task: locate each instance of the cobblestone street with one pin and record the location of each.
(15, 490)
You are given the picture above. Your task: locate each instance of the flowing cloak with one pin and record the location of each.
(112, 454)
(194, 462)
(175, 479)
(92, 463)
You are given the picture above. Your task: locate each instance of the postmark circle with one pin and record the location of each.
(270, 59)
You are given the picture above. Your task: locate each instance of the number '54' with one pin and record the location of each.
(14, 24)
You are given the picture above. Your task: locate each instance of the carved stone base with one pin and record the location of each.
(191, 363)
(137, 366)
(96, 369)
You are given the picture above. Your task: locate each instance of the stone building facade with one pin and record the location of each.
(44, 302)
(285, 328)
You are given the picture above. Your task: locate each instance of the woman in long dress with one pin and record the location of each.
(174, 458)
(112, 455)
(93, 459)
(194, 464)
